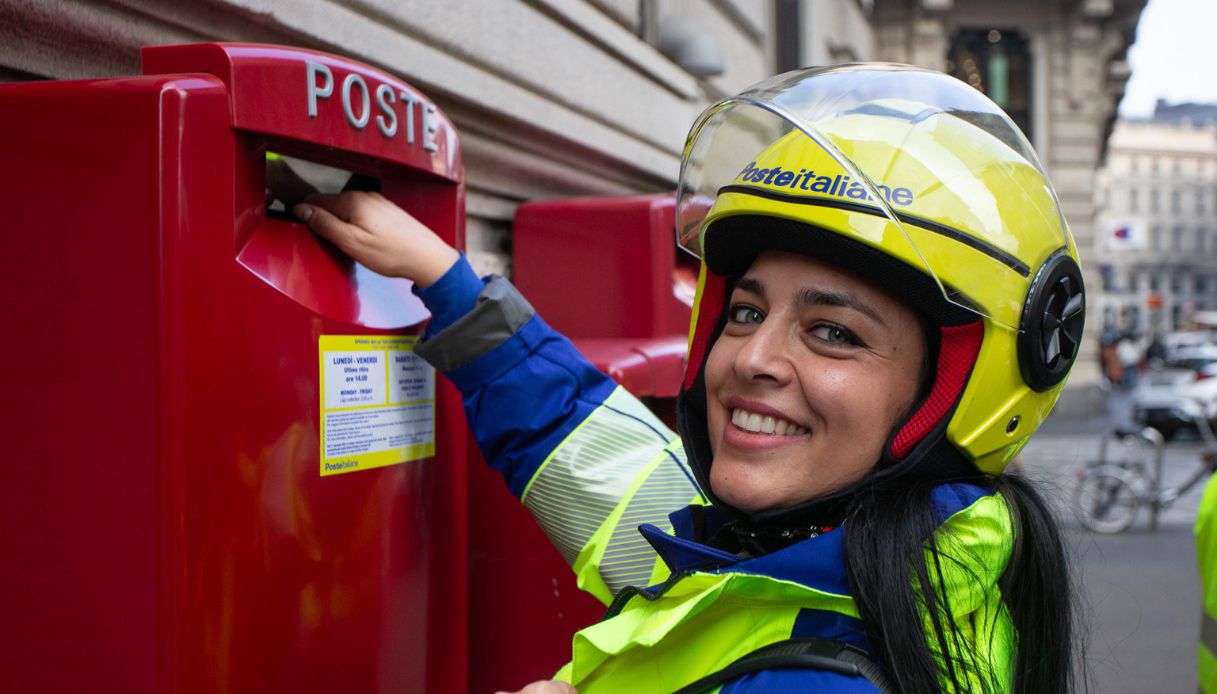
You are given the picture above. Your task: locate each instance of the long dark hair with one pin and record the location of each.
(889, 538)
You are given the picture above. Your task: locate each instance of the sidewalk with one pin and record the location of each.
(1140, 589)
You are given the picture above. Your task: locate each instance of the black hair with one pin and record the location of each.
(894, 567)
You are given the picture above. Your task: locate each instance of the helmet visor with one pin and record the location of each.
(910, 161)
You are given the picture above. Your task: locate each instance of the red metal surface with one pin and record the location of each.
(606, 273)
(165, 527)
(524, 606)
(617, 255)
(650, 368)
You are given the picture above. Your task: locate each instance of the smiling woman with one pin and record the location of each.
(835, 515)
(813, 370)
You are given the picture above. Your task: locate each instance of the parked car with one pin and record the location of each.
(1169, 398)
(1189, 339)
(1198, 358)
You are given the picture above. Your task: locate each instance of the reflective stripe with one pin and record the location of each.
(587, 478)
(1208, 633)
(630, 559)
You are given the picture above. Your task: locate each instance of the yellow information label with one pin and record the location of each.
(377, 402)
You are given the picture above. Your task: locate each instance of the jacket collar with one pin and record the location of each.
(817, 562)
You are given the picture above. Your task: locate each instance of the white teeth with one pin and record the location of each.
(765, 424)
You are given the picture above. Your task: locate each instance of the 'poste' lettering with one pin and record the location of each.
(357, 100)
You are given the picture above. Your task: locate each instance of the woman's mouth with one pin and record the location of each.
(756, 423)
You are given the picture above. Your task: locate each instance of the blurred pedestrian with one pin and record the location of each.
(1109, 359)
(1129, 354)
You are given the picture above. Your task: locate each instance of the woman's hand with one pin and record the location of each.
(379, 235)
(546, 687)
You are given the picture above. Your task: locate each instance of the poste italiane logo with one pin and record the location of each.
(840, 186)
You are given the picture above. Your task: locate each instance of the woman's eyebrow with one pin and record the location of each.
(811, 296)
(751, 285)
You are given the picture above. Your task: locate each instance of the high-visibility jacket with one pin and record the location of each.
(1206, 559)
(609, 484)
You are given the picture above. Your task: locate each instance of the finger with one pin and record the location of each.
(341, 205)
(327, 225)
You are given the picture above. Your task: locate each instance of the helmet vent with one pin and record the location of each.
(1051, 330)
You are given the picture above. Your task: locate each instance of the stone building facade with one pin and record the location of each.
(564, 98)
(1059, 69)
(552, 98)
(1156, 249)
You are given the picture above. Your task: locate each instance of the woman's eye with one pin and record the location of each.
(746, 314)
(834, 335)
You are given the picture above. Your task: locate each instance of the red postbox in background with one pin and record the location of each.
(225, 470)
(606, 273)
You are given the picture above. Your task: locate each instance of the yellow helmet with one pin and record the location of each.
(919, 184)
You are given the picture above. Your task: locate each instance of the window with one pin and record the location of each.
(788, 44)
(1175, 200)
(1199, 244)
(1155, 282)
(1132, 315)
(998, 63)
(1153, 200)
(1155, 237)
(1134, 200)
(1200, 201)
(1202, 284)
(1133, 282)
(1176, 284)
(1177, 239)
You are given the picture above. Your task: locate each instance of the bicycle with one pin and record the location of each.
(1112, 490)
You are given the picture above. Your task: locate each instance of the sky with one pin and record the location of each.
(1174, 56)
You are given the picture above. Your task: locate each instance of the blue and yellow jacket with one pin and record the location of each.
(610, 485)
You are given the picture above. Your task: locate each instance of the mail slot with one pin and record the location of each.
(226, 469)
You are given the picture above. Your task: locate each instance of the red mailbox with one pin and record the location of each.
(226, 469)
(605, 272)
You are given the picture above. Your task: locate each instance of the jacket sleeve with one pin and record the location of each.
(586, 458)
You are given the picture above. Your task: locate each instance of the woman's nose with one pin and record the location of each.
(764, 355)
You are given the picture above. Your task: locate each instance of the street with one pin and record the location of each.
(1140, 589)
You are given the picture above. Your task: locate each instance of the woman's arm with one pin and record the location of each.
(589, 461)
(525, 387)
